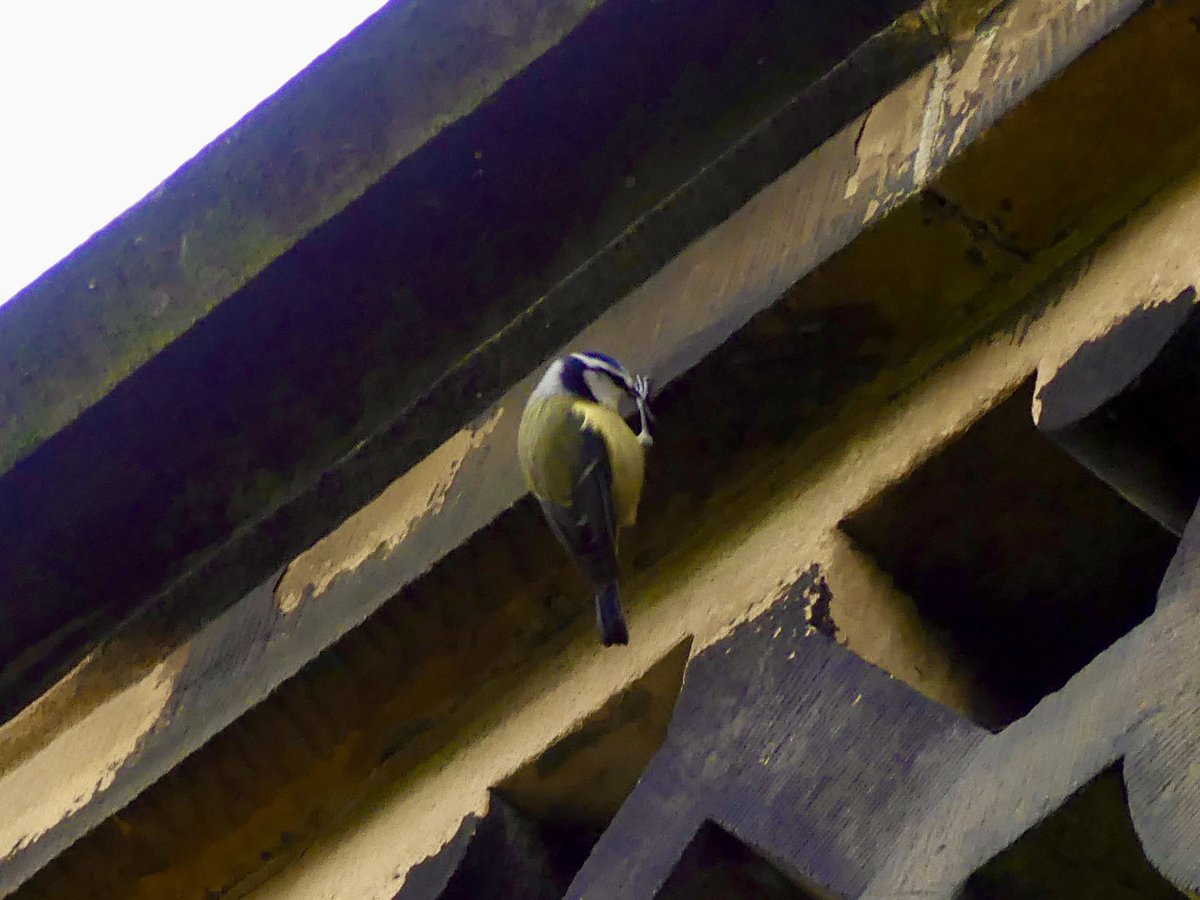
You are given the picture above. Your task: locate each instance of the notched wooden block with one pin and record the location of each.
(787, 740)
(1124, 406)
(1029, 563)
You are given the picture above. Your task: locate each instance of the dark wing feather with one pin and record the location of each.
(588, 528)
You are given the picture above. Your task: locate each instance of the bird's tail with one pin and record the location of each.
(609, 619)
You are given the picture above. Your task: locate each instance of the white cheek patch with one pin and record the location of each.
(603, 389)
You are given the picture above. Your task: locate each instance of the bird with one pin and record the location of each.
(585, 467)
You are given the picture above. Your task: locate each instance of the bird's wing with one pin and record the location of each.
(588, 527)
(626, 458)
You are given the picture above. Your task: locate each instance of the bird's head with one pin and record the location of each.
(598, 378)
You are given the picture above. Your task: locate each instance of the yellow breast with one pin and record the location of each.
(548, 448)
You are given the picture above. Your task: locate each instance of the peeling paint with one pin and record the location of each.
(964, 94)
(384, 522)
(931, 120)
(888, 132)
(80, 762)
(967, 89)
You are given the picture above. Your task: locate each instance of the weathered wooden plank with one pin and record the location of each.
(812, 211)
(1160, 770)
(850, 780)
(387, 352)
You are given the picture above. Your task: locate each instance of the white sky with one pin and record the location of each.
(101, 100)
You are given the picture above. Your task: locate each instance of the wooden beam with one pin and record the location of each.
(415, 307)
(705, 293)
(850, 780)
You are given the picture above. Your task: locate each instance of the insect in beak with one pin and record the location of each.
(641, 390)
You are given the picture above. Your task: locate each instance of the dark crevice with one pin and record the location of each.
(502, 855)
(574, 788)
(1025, 560)
(716, 865)
(1123, 405)
(979, 229)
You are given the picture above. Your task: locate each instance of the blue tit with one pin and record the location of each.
(585, 465)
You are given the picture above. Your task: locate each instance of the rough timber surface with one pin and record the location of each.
(374, 337)
(140, 378)
(1137, 701)
(237, 660)
(848, 780)
(800, 749)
